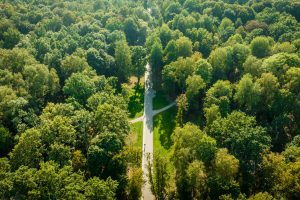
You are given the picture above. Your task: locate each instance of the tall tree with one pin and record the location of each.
(80, 87)
(191, 144)
(123, 60)
(196, 179)
(260, 47)
(156, 59)
(131, 30)
(102, 153)
(193, 86)
(159, 176)
(248, 93)
(182, 104)
(245, 140)
(138, 61)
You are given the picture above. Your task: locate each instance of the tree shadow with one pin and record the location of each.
(136, 101)
(166, 124)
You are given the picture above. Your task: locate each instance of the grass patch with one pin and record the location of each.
(133, 150)
(164, 125)
(160, 100)
(137, 134)
(136, 102)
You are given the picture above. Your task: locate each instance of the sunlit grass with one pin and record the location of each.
(164, 125)
(136, 138)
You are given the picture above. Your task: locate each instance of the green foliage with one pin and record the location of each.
(135, 184)
(281, 176)
(182, 104)
(247, 93)
(80, 87)
(11, 37)
(260, 47)
(191, 144)
(184, 47)
(138, 61)
(211, 114)
(260, 196)
(72, 64)
(194, 84)
(63, 101)
(292, 80)
(50, 181)
(221, 61)
(99, 189)
(6, 141)
(6, 184)
(204, 69)
(269, 87)
(196, 178)
(243, 138)
(156, 56)
(159, 177)
(123, 60)
(101, 154)
(226, 29)
(253, 66)
(113, 119)
(131, 30)
(28, 151)
(226, 165)
(219, 94)
(177, 72)
(278, 64)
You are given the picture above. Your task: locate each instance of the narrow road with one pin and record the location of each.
(155, 112)
(139, 119)
(147, 133)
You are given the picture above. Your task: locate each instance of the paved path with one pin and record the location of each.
(155, 112)
(139, 119)
(147, 133)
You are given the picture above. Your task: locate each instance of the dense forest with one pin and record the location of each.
(71, 78)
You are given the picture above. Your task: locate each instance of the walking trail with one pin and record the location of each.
(147, 133)
(147, 119)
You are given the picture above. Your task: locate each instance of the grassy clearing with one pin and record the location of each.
(133, 151)
(160, 100)
(136, 137)
(136, 101)
(164, 125)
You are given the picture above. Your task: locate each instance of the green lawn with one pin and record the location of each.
(160, 100)
(133, 150)
(164, 125)
(136, 102)
(137, 131)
